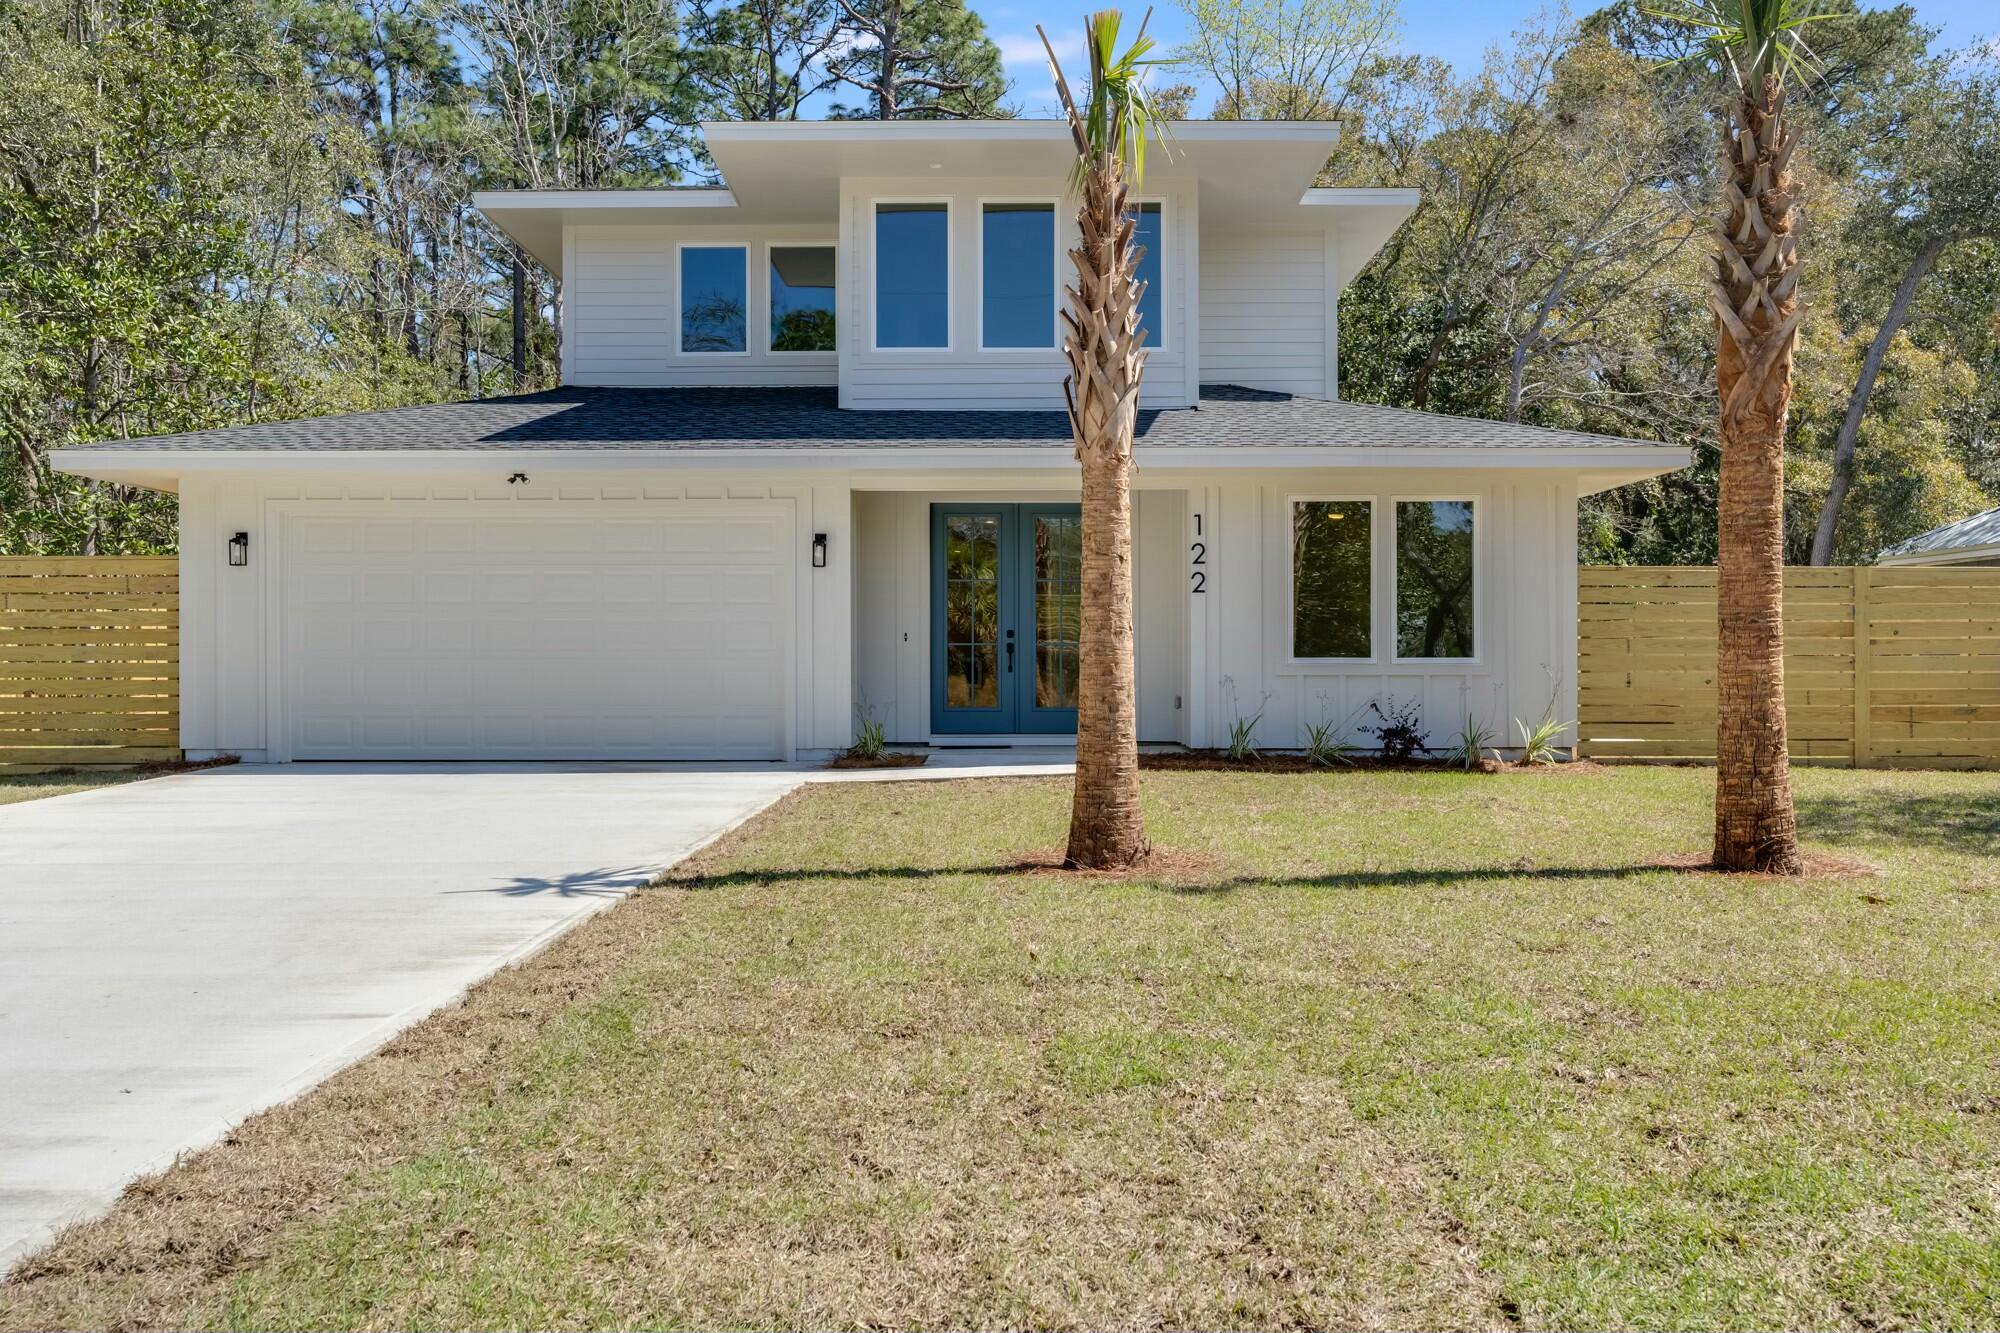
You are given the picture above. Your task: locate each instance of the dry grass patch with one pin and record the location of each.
(16, 787)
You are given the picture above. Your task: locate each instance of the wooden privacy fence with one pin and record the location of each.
(89, 660)
(1884, 667)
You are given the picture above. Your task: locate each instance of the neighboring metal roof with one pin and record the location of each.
(694, 420)
(1979, 532)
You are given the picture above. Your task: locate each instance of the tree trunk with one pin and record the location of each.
(1107, 358)
(1517, 379)
(1105, 828)
(1756, 302)
(1857, 403)
(1755, 828)
(1420, 383)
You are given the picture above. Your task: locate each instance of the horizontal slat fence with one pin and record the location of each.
(89, 660)
(1884, 667)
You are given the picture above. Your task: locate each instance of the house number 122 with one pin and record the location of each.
(1197, 557)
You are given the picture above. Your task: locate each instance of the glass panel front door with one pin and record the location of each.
(1006, 587)
(972, 611)
(1054, 541)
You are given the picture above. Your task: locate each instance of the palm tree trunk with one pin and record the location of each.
(1106, 356)
(1105, 829)
(1757, 306)
(1755, 828)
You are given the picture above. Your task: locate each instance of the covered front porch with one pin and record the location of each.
(966, 614)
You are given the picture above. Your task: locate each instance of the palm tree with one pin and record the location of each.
(1754, 293)
(1105, 345)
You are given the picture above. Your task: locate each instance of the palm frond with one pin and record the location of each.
(1755, 39)
(1119, 115)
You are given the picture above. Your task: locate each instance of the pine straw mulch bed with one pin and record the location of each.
(1218, 761)
(886, 759)
(1818, 865)
(1160, 865)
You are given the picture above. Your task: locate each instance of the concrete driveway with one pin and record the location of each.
(178, 953)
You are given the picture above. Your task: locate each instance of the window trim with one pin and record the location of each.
(1291, 627)
(875, 203)
(830, 243)
(1156, 339)
(1396, 657)
(1055, 271)
(680, 297)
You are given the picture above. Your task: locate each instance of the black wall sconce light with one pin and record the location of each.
(239, 550)
(819, 550)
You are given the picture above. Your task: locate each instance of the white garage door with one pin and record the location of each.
(558, 630)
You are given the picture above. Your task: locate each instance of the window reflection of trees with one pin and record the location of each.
(1331, 575)
(1434, 578)
(713, 323)
(803, 331)
(1058, 609)
(972, 611)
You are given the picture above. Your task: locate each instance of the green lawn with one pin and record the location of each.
(32, 786)
(1426, 1050)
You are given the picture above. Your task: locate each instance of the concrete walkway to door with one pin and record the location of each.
(178, 953)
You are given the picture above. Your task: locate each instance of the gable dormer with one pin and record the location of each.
(919, 264)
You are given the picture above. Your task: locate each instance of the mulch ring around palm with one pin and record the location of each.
(1160, 865)
(1819, 865)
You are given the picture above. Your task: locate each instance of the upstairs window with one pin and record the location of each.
(1150, 232)
(1017, 261)
(1434, 579)
(802, 307)
(715, 298)
(912, 275)
(1333, 567)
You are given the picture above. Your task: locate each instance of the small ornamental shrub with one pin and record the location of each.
(1324, 746)
(1397, 733)
(1243, 737)
(868, 739)
(1473, 740)
(1538, 743)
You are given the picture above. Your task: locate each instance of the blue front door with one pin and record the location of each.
(1006, 581)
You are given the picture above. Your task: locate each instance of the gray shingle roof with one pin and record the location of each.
(702, 419)
(1980, 530)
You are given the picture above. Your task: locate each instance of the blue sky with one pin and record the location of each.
(1457, 30)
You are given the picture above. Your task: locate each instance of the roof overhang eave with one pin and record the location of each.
(535, 219)
(1598, 468)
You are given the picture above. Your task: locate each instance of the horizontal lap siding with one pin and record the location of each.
(1915, 654)
(1264, 311)
(965, 375)
(89, 660)
(621, 296)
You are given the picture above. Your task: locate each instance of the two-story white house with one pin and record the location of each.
(809, 459)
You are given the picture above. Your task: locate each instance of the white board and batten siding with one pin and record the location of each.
(1524, 610)
(1207, 657)
(621, 304)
